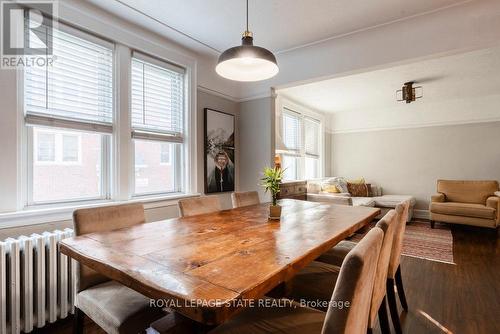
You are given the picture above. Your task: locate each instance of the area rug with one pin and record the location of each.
(421, 241)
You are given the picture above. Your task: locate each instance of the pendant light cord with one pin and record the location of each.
(247, 15)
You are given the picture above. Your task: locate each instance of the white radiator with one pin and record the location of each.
(37, 282)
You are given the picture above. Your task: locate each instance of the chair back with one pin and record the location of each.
(103, 219)
(245, 199)
(355, 285)
(399, 233)
(199, 205)
(388, 225)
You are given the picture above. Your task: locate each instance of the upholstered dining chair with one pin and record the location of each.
(247, 198)
(337, 254)
(394, 273)
(114, 307)
(354, 284)
(199, 205)
(312, 282)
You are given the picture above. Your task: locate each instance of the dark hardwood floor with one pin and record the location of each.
(462, 298)
(459, 298)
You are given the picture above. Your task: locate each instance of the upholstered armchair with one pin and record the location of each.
(466, 202)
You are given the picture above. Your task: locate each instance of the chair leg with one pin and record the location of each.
(393, 308)
(383, 317)
(401, 291)
(78, 321)
(432, 223)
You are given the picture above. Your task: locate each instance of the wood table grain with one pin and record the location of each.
(207, 266)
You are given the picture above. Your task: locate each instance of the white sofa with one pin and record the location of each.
(378, 199)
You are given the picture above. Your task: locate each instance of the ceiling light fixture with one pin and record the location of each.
(409, 93)
(247, 62)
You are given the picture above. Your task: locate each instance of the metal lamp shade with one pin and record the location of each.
(247, 62)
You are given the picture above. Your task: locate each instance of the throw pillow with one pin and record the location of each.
(370, 190)
(360, 180)
(330, 188)
(340, 182)
(358, 190)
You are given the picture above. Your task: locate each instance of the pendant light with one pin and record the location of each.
(247, 62)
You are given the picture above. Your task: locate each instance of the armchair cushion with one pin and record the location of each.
(438, 198)
(463, 209)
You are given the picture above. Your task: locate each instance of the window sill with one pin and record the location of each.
(43, 215)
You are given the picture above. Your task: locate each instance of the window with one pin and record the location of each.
(165, 153)
(291, 138)
(70, 148)
(311, 148)
(69, 119)
(46, 147)
(56, 146)
(157, 125)
(300, 151)
(74, 173)
(151, 174)
(291, 131)
(289, 164)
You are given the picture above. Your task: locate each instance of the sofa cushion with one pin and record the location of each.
(467, 191)
(363, 201)
(463, 209)
(390, 201)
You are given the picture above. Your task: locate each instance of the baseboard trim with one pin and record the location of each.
(421, 214)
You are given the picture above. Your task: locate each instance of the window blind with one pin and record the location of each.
(311, 137)
(157, 100)
(291, 131)
(77, 90)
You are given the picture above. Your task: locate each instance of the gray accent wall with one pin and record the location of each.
(256, 127)
(409, 161)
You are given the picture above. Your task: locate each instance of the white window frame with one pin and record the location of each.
(169, 162)
(28, 143)
(181, 181)
(120, 150)
(285, 105)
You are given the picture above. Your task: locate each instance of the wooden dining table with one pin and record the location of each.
(207, 267)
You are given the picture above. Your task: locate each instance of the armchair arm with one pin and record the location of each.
(494, 202)
(439, 197)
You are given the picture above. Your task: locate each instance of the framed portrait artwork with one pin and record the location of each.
(219, 151)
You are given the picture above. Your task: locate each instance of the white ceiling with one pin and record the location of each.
(472, 74)
(279, 25)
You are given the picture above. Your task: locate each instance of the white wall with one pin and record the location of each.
(409, 161)
(256, 126)
(464, 109)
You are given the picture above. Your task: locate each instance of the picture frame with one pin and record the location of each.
(219, 151)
